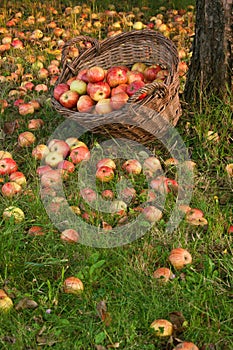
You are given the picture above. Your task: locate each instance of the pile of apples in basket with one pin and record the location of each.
(99, 91)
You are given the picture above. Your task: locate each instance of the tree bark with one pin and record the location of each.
(210, 70)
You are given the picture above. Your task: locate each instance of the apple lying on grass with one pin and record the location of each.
(73, 285)
(7, 166)
(162, 328)
(163, 274)
(179, 258)
(13, 212)
(186, 346)
(6, 302)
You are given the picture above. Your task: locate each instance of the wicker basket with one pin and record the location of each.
(162, 98)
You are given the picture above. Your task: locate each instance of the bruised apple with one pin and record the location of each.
(186, 346)
(179, 258)
(116, 75)
(162, 328)
(73, 285)
(163, 274)
(132, 166)
(26, 139)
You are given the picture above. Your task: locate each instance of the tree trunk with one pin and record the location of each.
(210, 70)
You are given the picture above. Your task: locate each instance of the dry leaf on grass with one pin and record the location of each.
(26, 303)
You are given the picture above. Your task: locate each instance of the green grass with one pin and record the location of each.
(35, 267)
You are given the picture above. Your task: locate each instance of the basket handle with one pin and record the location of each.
(82, 49)
(146, 91)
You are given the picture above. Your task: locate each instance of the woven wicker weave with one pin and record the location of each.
(126, 49)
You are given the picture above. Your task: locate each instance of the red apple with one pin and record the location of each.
(43, 73)
(40, 151)
(132, 166)
(41, 88)
(194, 214)
(18, 102)
(56, 204)
(53, 80)
(10, 189)
(106, 162)
(103, 106)
(88, 194)
(51, 178)
(26, 108)
(159, 184)
(85, 104)
(66, 166)
(116, 75)
(7, 166)
(128, 194)
(79, 154)
(18, 177)
(179, 258)
(150, 73)
(98, 91)
(95, 74)
(151, 166)
(73, 285)
(43, 169)
(82, 74)
(171, 184)
(70, 235)
(107, 194)
(69, 99)
(17, 44)
(134, 86)
(117, 101)
(152, 214)
(104, 174)
(35, 124)
(53, 69)
(119, 88)
(26, 139)
(59, 146)
(79, 86)
(135, 76)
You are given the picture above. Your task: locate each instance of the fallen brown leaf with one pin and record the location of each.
(26, 303)
(102, 312)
